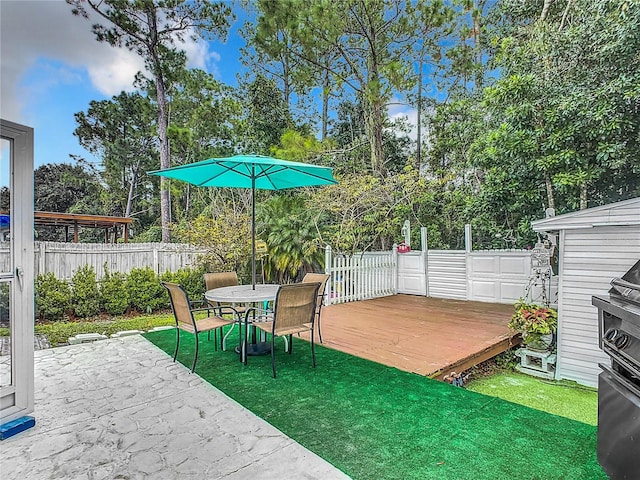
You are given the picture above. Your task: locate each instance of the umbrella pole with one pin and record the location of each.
(253, 227)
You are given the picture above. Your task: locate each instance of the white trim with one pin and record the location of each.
(18, 399)
(558, 223)
(560, 331)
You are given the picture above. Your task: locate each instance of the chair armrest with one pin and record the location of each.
(208, 310)
(193, 303)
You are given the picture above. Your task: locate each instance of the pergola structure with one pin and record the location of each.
(111, 225)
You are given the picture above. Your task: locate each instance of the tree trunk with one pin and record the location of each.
(583, 196)
(163, 122)
(132, 189)
(479, 80)
(325, 104)
(419, 115)
(545, 9)
(374, 132)
(549, 184)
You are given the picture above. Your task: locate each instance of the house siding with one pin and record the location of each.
(621, 213)
(590, 258)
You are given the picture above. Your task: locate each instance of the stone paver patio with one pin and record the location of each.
(121, 409)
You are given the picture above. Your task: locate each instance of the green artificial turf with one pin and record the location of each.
(567, 399)
(376, 422)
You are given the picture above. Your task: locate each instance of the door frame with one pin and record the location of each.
(16, 400)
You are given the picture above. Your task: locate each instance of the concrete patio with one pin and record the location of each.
(120, 408)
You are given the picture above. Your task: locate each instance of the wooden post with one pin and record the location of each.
(75, 232)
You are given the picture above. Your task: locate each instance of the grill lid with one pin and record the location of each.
(628, 287)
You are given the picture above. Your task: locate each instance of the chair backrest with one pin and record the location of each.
(295, 305)
(317, 277)
(220, 279)
(179, 304)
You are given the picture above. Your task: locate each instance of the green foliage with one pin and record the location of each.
(58, 333)
(52, 297)
(121, 131)
(5, 292)
(226, 236)
(62, 187)
(292, 240)
(85, 296)
(192, 279)
(113, 292)
(145, 292)
(532, 318)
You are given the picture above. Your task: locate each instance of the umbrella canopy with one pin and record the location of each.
(250, 171)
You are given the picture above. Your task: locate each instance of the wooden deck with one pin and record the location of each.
(427, 336)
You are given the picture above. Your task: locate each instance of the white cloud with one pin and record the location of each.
(396, 109)
(46, 29)
(116, 75)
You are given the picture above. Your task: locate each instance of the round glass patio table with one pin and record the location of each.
(243, 294)
(246, 294)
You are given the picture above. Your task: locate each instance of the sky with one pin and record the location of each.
(51, 68)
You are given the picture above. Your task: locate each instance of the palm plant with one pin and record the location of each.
(291, 236)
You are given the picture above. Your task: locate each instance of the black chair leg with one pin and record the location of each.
(246, 339)
(215, 339)
(319, 331)
(175, 354)
(290, 344)
(195, 357)
(273, 354)
(240, 338)
(313, 350)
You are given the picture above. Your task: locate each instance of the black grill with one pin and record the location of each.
(619, 382)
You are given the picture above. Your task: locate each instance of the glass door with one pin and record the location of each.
(16, 271)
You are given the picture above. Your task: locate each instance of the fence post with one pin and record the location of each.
(424, 253)
(468, 248)
(394, 256)
(42, 260)
(327, 270)
(468, 244)
(156, 261)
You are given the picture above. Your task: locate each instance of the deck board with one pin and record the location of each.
(427, 336)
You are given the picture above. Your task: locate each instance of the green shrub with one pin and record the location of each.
(58, 333)
(85, 296)
(4, 303)
(145, 292)
(113, 292)
(53, 297)
(192, 279)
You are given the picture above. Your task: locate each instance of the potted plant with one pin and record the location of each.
(536, 323)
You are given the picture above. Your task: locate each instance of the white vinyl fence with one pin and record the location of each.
(359, 277)
(496, 276)
(63, 259)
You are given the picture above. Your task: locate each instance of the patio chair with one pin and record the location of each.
(322, 278)
(294, 311)
(185, 320)
(219, 280)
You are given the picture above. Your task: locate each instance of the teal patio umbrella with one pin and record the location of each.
(250, 171)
